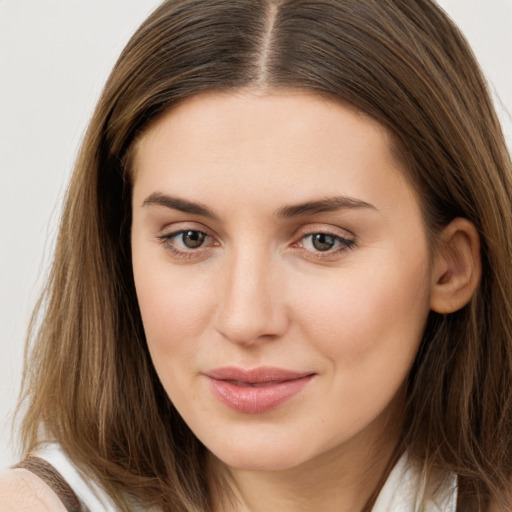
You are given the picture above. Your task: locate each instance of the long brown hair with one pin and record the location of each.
(90, 383)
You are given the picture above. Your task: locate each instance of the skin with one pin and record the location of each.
(258, 293)
(23, 491)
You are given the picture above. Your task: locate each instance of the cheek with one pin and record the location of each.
(367, 327)
(369, 316)
(172, 306)
(173, 314)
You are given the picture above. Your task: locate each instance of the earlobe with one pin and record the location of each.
(457, 267)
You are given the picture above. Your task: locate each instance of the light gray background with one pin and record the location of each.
(54, 58)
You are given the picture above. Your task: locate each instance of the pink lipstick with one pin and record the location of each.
(257, 390)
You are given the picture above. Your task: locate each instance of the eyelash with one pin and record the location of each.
(342, 244)
(166, 240)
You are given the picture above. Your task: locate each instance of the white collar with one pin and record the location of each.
(404, 491)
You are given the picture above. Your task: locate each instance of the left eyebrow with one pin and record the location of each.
(328, 204)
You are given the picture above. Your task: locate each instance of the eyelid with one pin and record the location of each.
(179, 227)
(326, 229)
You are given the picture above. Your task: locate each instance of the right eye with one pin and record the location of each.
(185, 242)
(190, 239)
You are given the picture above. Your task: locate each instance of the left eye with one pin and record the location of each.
(323, 242)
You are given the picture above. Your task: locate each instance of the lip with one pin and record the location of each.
(256, 390)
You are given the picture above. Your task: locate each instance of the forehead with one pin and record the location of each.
(246, 117)
(267, 147)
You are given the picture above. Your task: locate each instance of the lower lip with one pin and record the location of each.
(257, 399)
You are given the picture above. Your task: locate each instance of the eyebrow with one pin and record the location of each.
(328, 204)
(176, 203)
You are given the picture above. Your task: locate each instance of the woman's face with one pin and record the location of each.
(282, 272)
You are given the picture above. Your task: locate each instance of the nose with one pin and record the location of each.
(252, 305)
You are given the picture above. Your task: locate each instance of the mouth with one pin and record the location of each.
(254, 384)
(257, 390)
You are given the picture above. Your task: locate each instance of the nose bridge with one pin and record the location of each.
(251, 307)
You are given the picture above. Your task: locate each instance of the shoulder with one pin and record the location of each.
(22, 491)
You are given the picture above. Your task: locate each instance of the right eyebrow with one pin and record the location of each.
(176, 203)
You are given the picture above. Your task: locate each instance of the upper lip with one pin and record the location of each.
(256, 375)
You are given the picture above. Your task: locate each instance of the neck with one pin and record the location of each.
(344, 479)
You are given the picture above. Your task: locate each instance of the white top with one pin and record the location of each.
(404, 490)
(92, 498)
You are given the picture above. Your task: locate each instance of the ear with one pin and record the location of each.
(457, 267)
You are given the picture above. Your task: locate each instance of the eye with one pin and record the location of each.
(185, 242)
(191, 239)
(328, 243)
(322, 241)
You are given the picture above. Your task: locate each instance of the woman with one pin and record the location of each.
(282, 279)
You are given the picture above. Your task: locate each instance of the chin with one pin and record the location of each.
(257, 460)
(263, 454)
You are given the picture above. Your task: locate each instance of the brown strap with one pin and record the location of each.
(50, 476)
